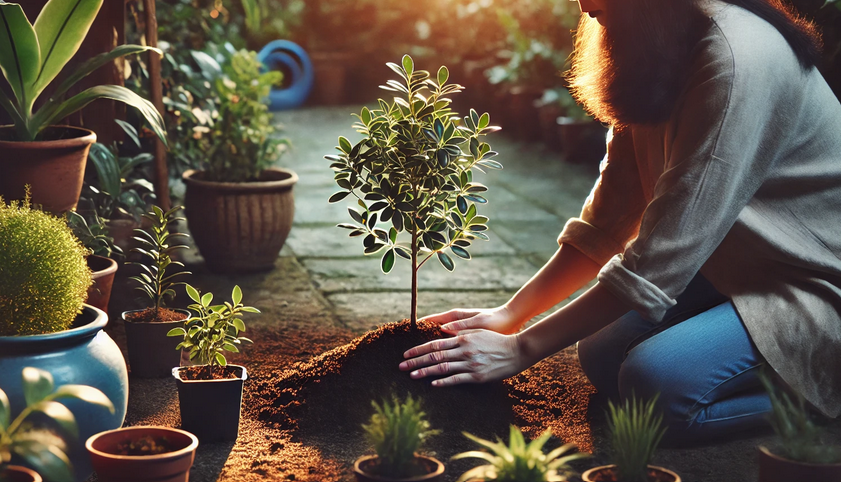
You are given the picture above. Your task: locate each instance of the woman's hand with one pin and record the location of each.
(500, 320)
(473, 356)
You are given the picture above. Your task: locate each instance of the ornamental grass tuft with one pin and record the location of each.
(635, 431)
(43, 274)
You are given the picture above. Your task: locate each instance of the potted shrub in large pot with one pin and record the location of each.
(37, 152)
(210, 393)
(802, 452)
(397, 430)
(143, 454)
(635, 432)
(151, 354)
(42, 449)
(44, 324)
(241, 207)
(519, 461)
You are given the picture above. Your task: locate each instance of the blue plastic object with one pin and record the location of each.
(289, 57)
(84, 355)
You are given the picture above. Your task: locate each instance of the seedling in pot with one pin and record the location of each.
(519, 461)
(414, 170)
(40, 447)
(635, 432)
(214, 330)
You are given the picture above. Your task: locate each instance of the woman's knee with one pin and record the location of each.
(646, 378)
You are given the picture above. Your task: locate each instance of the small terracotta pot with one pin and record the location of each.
(104, 269)
(55, 170)
(166, 467)
(219, 401)
(152, 354)
(606, 473)
(363, 464)
(16, 473)
(240, 226)
(773, 468)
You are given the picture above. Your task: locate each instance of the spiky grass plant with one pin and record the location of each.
(519, 461)
(635, 432)
(397, 430)
(157, 248)
(801, 440)
(44, 278)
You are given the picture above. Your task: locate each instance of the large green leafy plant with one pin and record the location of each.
(32, 55)
(37, 445)
(414, 169)
(519, 461)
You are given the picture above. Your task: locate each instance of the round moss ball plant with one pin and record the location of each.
(43, 274)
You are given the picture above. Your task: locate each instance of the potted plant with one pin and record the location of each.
(802, 452)
(414, 169)
(34, 444)
(207, 336)
(519, 461)
(149, 453)
(397, 430)
(37, 152)
(43, 284)
(94, 236)
(242, 207)
(635, 433)
(151, 354)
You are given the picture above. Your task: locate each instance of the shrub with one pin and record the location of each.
(397, 430)
(43, 274)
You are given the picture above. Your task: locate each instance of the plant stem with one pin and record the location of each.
(414, 317)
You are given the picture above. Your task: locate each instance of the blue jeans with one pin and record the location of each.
(700, 360)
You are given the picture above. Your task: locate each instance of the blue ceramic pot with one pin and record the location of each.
(83, 355)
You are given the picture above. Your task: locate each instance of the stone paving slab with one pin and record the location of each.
(530, 238)
(364, 274)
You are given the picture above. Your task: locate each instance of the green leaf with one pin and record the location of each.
(408, 65)
(84, 393)
(239, 324)
(206, 299)
(192, 293)
(484, 120)
(446, 261)
(249, 309)
(60, 415)
(98, 61)
(220, 359)
(20, 57)
(61, 27)
(50, 116)
(388, 261)
(47, 459)
(236, 295)
(443, 75)
(5, 410)
(176, 332)
(338, 196)
(37, 384)
(462, 204)
(107, 169)
(344, 145)
(460, 252)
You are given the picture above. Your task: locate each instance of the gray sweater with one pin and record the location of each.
(743, 184)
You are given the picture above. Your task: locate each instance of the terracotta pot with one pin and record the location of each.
(16, 473)
(606, 473)
(224, 411)
(330, 77)
(54, 169)
(435, 470)
(166, 467)
(773, 468)
(104, 270)
(583, 142)
(240, 226)
(152, 354)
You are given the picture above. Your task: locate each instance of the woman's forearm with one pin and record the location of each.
(567, 271)
(584, 316)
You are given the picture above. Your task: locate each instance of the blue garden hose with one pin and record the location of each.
(290, 58)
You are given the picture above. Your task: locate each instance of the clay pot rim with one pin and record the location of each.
(287, 179)
(111, 269)
(88, 330)
(438, 471)
(87, 137)
(176, 373)
(179, 310)
(194, 443)
(24, 470)
(767, 452)
(586, 475)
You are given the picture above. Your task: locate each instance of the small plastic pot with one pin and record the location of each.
(211, 408)
(152, 354)
(363, 464)
(171, 466)
(607, 473)
(773, 468)
(16, 473)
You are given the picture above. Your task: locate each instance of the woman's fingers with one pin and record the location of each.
(431, 358)
(429, 347)
(449, 316)
(457, 379)
(472, 322)
(444, 368)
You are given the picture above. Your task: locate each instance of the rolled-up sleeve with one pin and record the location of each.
(611, 214)
(721, 143)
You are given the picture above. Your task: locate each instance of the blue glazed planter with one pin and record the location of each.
(83, 355)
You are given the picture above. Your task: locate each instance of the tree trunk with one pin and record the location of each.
(414, 317)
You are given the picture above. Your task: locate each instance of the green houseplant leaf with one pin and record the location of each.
(20, 56)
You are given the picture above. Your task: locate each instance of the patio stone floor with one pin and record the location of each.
(323, 285)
